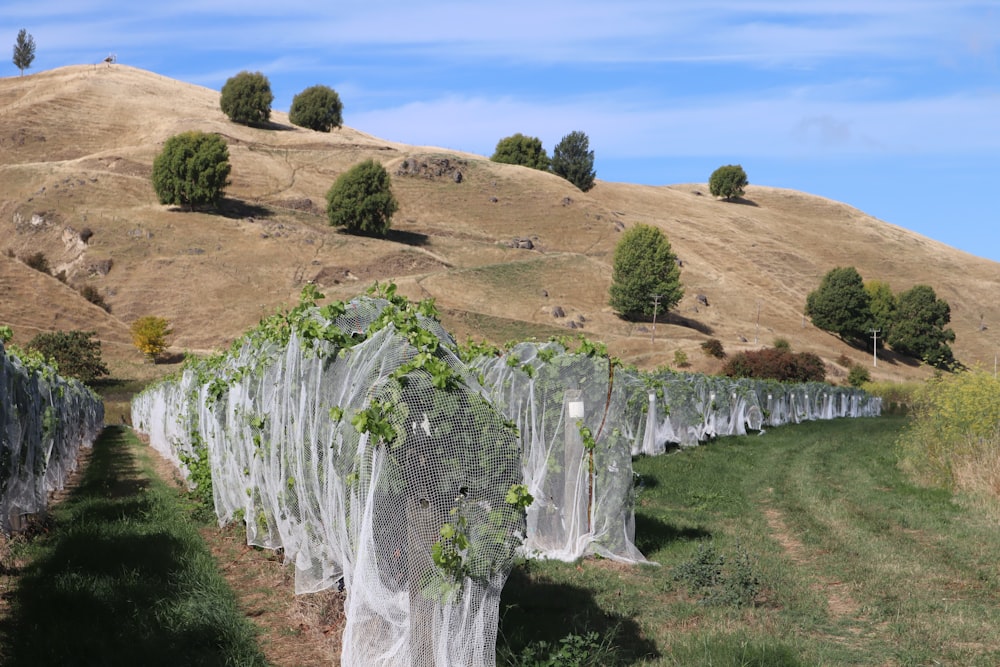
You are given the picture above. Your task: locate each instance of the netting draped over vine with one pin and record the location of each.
(570, 412)
(44, 421)
(685, 409)
(356, 441)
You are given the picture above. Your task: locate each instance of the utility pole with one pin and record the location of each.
(756, 326)
(875, 333)
(656, 307)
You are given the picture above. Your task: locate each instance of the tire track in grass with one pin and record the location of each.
(839, 602)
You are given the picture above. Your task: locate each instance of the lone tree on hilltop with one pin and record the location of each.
(317, 108)
(24, 50)
(573, 160)
(75, 353)
(645, 267)
(246, 98)
(918, 328)
(361, 200)
(522, 150)
(728, 181)
(841, 305)
(191, 170)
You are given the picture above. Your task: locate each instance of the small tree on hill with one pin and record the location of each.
(246, 98)
(522, 150)
(728, 181)
(317, 108)
(24, 50)
(149, 335)
(361, 200)
(75, 352)
(918, 329)
(645, 267)
(191, 170)
(573, 160)
(841, 305)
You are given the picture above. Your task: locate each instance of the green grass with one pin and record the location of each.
(122, 577)
(857, 566)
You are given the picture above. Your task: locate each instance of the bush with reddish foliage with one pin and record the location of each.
(776, 364)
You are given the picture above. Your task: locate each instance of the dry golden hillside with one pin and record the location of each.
(76, 150)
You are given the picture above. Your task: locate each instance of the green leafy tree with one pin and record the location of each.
(644, 266)
(882, 304)
(76, 353)
(149, 335)
(728, 181)
(522, 150)
(919, 327)
(573, 160)
(246, 98)
(24, 50)
(361, 200)
(191, 170)
(317, 108)
(841, 305)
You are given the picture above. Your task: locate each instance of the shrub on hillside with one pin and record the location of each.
(39, 262)
(246, 98)
(191, 170)
(776, 364)
(361, 200)
(149, 335)
(317, 108)
(522, 150)
(93, 295)
(713, 348)
(858, 376)
(75, 353)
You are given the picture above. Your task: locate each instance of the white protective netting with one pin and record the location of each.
(341, 440)
(685, 409)
(44, 421)
(570, 409)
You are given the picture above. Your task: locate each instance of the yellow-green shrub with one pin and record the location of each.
(954, 439)
(897, 397)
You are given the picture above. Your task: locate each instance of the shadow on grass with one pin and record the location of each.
(121, 579)
(651, 534)
(533, 610)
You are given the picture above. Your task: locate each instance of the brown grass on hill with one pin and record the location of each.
(77, 148)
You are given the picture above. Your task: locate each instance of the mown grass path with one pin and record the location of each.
(857, 565)
(122, 577)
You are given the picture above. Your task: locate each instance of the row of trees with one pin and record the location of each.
(193, 170)
(571, 159)
(912, 322)
(247, 97)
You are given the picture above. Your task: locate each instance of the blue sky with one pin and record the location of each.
(891, 106)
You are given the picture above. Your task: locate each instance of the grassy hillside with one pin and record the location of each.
(77, 148)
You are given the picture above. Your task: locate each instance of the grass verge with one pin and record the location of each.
(121, 576)
(802, 546)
